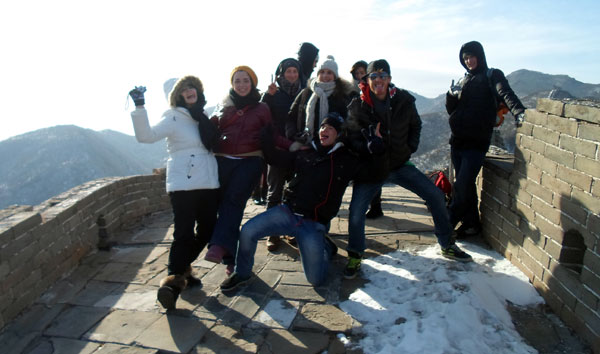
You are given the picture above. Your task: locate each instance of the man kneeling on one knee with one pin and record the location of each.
(313, 197)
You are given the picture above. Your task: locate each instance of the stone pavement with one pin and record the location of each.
(108, 304)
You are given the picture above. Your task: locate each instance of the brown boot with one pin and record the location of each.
(169, 290)
(192, 281)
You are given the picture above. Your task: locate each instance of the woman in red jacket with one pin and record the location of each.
(240, 119)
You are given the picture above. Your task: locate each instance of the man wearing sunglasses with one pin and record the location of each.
(384, 128)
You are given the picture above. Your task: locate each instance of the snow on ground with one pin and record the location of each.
(419, 302)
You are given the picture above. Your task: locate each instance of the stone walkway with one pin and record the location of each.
(108, 304)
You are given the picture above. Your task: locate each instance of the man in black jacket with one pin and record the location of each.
(312, 199)
(472, 108)
(389, 113)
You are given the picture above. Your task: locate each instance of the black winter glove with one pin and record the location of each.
(519, 119)
(137, 95)
(374, 142)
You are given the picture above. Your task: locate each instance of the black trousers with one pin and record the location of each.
(194, 217)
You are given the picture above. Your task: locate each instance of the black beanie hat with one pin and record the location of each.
(335, 120)
(378, 65)
(285, 64)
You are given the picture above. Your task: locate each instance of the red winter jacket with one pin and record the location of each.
(240, 129)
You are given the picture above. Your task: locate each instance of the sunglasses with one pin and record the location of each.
(381, 75)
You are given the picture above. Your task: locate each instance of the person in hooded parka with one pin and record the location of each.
(471, 104)
(191, 179)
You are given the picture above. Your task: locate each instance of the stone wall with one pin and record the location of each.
(541, 212)
(39, 245)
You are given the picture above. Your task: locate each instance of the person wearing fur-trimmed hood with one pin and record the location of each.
(324, 94)
(192, 176)
(240, 118)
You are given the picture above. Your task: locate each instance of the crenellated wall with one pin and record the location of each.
(41, 244)
(541, 212)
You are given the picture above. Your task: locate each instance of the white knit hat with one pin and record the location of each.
(330, 64)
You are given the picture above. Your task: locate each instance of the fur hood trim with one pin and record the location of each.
(180, 84)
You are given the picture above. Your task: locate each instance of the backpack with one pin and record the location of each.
(501, 108)
(442, 182)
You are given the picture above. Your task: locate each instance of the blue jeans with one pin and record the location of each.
(463, 207)
(238, 178)
(315, 250)
(409, 177)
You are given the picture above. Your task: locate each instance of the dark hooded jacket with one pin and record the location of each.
(282, 100)
(400, 130)
(473, 112)
(321, 176)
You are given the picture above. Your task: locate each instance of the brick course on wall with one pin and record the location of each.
(39, 245)
(540, 208)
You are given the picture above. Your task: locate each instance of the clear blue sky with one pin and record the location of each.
(73, 62)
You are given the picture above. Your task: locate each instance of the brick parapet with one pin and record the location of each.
(530, 208)
(41, 244)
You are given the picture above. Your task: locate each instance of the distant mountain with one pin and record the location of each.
(40, 164)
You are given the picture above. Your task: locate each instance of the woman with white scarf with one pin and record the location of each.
(327, 93)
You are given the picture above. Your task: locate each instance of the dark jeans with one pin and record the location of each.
(238, 178)
(464, 204)
(276, 178)
(191, 209)
(409, 177)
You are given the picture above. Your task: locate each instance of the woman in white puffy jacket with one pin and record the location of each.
(192, 176)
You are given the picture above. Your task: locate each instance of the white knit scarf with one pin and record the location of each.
(321, 91)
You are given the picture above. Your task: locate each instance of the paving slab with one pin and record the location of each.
(294, 292)
(134, 301)
(174, 333)
(323, 318)
(65, 346)
(294, 342)
(226, 339)
(94, 291)
(138, 254)
(276, 314)
(129, 273)
(122, 326)
(75, 321)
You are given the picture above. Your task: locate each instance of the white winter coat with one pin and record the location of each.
(190, 166)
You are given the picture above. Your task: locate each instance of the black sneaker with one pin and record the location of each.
(454, 252)
(233, 282)
(353, 267)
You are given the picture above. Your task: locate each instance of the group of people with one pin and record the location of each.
(316, 135)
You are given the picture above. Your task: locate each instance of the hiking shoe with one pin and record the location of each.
(273, 243)
(454, 252)
(465, 231)
(352, 268)
(233, 282)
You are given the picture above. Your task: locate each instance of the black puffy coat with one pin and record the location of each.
(321, 176)
(400, 130)
(473, 112)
